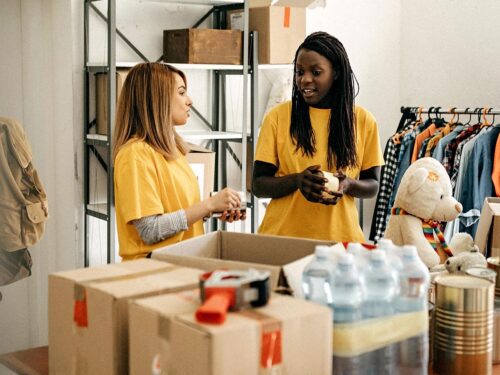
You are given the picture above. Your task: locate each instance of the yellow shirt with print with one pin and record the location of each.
(147, 184)
(293, 215)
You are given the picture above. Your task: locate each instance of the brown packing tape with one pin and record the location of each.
(271, 339)
(80, 314)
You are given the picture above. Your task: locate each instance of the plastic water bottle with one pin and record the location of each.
(393, 253)
(381, 286)
(414, 278)
(347, 291)
(414, 282)
(360, 256)
(347, 301)
(317, 277)
(380, 293)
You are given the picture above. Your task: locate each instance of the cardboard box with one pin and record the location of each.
(203, 46)
(240, 251)
(281, 27)
(488, 230)
(163, 330)
(101, 347)
(202, 161)
(101, 83)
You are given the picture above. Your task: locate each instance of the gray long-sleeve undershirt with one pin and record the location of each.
(156, 228)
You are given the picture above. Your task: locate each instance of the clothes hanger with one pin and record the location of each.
(485, 120)
(396, 138)
(453, 113)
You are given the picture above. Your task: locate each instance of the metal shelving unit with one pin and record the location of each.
(216, 133)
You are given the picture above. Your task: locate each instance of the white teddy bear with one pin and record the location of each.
(422, 200)
(465, 254)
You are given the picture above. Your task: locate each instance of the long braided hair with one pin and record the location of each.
(342, 133)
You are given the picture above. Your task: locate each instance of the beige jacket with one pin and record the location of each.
(23, 201)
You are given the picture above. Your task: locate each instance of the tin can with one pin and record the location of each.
(463, 325)
(483, 273)
(494, 264)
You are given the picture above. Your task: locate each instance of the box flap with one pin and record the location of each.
(266, 249)
(284, 3)
(176, 280)
(195, 148)
(491, 208)
(202, 246)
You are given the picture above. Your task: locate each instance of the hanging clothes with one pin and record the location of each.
(469, 153)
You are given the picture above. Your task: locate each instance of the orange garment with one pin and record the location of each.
(436, 138)
(420, 139)
(495, 175)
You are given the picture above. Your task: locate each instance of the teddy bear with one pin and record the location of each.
(466, 254)
(424, 198)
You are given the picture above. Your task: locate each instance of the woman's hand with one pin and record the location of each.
(225, 200)
(311, 183)
(233, 215)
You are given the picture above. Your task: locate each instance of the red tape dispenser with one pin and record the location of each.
(221, 291)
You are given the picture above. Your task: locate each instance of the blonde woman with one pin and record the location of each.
(157, 197)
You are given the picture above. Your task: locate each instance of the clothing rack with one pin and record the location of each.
(450, 111)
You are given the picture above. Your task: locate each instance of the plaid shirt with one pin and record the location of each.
(387, 176)
(458, 154)
(451, 148)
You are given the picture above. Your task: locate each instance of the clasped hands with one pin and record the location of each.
(311, 184)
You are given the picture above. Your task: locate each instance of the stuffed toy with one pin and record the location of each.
(422, 201)
(465, 254)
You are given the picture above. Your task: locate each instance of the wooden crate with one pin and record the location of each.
(203, 46)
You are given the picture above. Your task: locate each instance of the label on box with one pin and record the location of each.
(236, 21)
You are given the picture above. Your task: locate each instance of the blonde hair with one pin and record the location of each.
(144, 110)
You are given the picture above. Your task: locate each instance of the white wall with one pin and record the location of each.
(36, 87)
(449, 54)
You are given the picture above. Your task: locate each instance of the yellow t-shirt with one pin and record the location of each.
(147, 184)
(293, 215)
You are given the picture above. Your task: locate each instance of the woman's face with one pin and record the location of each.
(181, 102)
(314, 76)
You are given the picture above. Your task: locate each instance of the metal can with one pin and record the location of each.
(483, 273)
(463, 325)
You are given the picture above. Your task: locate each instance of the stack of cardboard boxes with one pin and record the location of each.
(138, 317)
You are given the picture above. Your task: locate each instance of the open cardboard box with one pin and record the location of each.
(281, 27)
(165, 335)
(231, 250)
(488, 230)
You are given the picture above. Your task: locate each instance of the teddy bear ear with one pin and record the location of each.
(417, 179)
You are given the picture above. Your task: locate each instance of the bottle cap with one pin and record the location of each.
(377, 254)
(322, 251)
(410, 251)
(354, 248)
(384, 243)
(346, 259)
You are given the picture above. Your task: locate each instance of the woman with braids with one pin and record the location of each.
(320, 129)
(157, 197)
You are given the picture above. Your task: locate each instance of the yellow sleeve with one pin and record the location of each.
(137, 192)
(266, 149)
(372, 153)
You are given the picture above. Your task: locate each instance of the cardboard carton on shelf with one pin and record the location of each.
(232, 250)
(101, 83)
(202, 162)
(203, 46)
(288, 333)
(281, 27)
(488, 230)
(88, 312)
